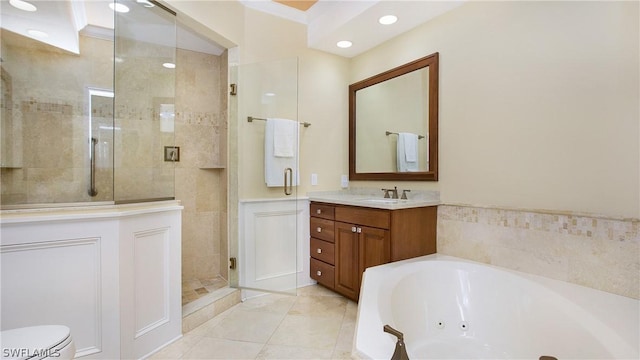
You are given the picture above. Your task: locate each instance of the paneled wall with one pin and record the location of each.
(274, 244)
(111, 274)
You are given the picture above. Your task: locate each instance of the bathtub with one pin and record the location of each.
(450, 308)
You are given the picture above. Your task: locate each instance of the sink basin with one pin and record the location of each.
(382, 201)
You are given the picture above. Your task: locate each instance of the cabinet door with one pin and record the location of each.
(347, 269)
(375, 247)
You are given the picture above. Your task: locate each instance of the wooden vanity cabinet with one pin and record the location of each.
(322, 247)
(345, 240)
(357, 248)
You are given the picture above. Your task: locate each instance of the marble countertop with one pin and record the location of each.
(373, 198)
(80, 211)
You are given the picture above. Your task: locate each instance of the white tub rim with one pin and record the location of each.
(369, 293)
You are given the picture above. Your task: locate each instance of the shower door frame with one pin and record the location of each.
(268, 211)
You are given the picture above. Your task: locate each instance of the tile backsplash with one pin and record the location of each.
(601, 253)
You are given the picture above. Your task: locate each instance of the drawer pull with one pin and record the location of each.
(319, 273)
(319, 251)
(319, 229)
(319, 211)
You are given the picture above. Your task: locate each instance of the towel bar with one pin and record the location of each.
(251, 118)
(389, 133)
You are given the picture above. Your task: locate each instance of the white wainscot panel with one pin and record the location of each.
(64, 274)
(274, 244)
(151, 277)
(150, 283)
(109, 273)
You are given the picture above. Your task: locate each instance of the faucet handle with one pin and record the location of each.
(386, 193)
(404, 194)
(394, 192)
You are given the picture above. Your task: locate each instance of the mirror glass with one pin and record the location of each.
(393, 121)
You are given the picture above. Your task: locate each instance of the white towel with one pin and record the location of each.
(407, 152)
(285, 133)
(274, 166)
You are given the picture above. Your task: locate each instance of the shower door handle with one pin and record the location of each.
(92, 170)
(287, 189)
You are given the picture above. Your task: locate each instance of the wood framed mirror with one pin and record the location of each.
(393, 123)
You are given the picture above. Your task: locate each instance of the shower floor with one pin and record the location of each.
(196, 288)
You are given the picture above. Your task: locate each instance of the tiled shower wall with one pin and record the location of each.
(200, 130)
(54, 168)
(45, 128)
(43, 147)
(597, 252)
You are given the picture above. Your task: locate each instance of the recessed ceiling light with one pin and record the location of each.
(37, 33)
(388, 19)
(344, 44)
(23, 5)
(117, 7)
(169, 65)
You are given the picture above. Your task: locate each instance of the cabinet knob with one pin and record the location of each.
(319, 211)
(319, 251)
(319, 273)
(359, 230)
(353, 229)
(319, 229)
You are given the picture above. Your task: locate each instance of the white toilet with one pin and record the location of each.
(37, 342)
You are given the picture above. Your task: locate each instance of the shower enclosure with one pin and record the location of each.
(93, 121)
(87, 144)
(87, 110)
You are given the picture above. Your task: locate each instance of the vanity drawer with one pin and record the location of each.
(364, 216)
(323, 211)
(322, 229)
(322, 273)
(322, 250)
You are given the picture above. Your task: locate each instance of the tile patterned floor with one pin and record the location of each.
(197, 288)
(316, 324)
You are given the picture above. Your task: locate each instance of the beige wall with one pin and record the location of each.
(322, 101)
(538, 111)
(322, 94)
(539, 104)
(538, 101)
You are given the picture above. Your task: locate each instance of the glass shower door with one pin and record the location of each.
(145, 151)
(47, 121)
(270, 217)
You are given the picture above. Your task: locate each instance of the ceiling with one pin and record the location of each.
(63, 20)
(330, 21)
(327, 21)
